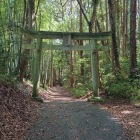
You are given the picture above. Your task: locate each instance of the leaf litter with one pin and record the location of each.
(18, 111)
(127, 114)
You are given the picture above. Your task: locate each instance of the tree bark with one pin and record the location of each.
(133, 55)
(124, 30)
(90, 22)
(81, 43)
(25, 54)
(71, 57)
(114, 41)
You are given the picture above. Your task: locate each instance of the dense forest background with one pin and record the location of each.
(118, 67)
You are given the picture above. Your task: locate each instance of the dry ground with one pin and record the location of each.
(19, 111)
(127, 114)
(67, 118)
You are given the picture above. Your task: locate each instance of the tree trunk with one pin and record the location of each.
(139, 17)
(114, 41)
(133, 60)
(72, 69)
(118, 16)
(51, 69)
(71, 54)
(25, 54)
(81, 43)
(124, 30)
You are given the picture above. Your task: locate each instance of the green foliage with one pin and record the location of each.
(79, 92)
(82, 88)
(8, 80)
(124, 88)
(120, 85)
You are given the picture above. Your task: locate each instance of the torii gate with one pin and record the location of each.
(67, 38)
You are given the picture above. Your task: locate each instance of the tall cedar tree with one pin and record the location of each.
(114, 39)
(81, 41)
(25, 55)
(133, 56)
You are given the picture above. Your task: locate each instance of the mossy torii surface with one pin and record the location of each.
(67, 38)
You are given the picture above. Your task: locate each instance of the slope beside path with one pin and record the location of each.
(66, 118)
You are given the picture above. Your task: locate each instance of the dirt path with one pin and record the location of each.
(66, 118)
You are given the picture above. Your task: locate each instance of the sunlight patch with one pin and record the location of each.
(126, 112)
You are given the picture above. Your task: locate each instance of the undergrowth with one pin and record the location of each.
(116, 87)
(8, 80)
(81, 88)
(123, 88)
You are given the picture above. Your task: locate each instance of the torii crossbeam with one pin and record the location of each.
(67, 38)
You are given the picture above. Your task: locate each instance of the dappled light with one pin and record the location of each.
(72, 118)
(127, 112)
(58, 94)
(69, 69)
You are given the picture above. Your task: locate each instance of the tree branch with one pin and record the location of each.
(37, 7)
(95, 3)
(82, 10)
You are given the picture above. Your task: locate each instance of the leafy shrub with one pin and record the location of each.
(79, 92)
(81, 89)
(8, 80)
(124, 89)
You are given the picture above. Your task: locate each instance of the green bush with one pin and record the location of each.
(81, 89)
(124, 89)
(79, 92)
(8, 80)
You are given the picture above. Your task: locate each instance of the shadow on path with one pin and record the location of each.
(66, 118)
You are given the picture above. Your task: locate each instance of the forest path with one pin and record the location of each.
(66, 118)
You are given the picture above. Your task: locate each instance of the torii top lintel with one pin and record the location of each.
(60, 35)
